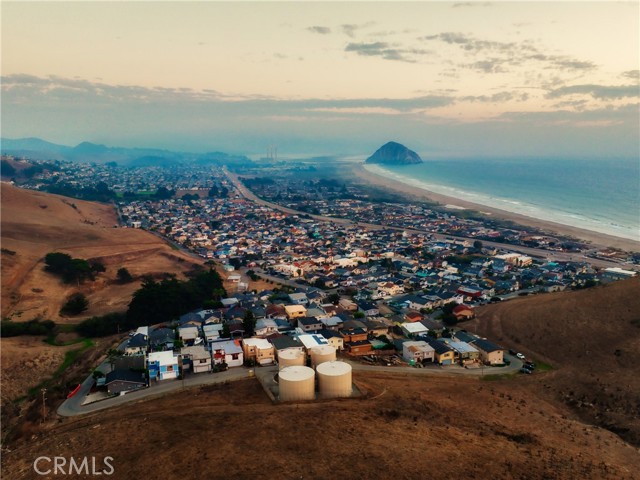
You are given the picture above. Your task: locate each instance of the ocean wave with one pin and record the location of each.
(556, 214)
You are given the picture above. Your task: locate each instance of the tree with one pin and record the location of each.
(477, 245)
(124, 276)
(249, 323)
(226, 331)
(333, 298)
(76, 304)
(6, 169)
(112, 354)
(358, 315)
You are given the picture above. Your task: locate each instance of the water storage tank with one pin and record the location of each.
(290, 358)
(296, 383)
(334, 379)
(321, 354)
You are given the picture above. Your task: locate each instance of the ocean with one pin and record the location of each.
(601, 195)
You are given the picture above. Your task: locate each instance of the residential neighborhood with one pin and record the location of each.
(350, 277)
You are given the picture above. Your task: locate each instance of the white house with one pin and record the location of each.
(417, 351)
(162, 365)
(228, 352)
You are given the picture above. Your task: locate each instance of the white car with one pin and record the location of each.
(520, 356)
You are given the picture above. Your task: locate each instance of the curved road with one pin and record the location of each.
(73, 406)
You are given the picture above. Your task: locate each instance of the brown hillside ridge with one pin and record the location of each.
(409, 429)
(36, 223)
(591, 338)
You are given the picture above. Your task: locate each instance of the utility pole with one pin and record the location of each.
(44, 405)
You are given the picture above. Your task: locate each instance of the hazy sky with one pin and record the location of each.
(471, 78)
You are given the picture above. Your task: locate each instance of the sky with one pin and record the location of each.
(326, 78)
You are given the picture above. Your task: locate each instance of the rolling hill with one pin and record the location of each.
(36, 223)
(591, 338)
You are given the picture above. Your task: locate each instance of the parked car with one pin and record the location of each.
(520, 356)
(526, 370)
(530, 365)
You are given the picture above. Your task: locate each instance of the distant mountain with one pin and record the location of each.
(393, 153)
(34, 144)
(87, 152)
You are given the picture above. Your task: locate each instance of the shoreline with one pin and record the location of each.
(596, 239)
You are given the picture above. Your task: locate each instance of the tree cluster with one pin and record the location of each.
(163, 301)
(71, 269)
(75, 304)
(32, 327)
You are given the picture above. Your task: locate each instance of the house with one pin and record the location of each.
(348, 304)
(417, 351)
(212, 331)
(188, 333)
(332, 323)
(295, 311)
(462, 336)
(199, 356)
(464, 352)
(258, 350)
(415, 302)
(463, 312)
(309, 324)
(369, 309)
(413, 329)
(130, 362)
(286, 342)
(161, 338)
(390, 288)
(413, 316)
(334, 338)
(275, 311)
(299, 298)
(312, 340)
(360, 347)
(121, 381)
(444, 355)
(266, 326)
(137, 345)
(162, 365)
(229, 352)
(376, 327)
(490, 353)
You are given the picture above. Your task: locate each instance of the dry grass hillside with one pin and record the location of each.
(407, 428)
(591, 338)
(35, 223)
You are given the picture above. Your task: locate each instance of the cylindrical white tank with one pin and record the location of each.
(321, 354)
(296, 383)
(334, 379)
(290, 358)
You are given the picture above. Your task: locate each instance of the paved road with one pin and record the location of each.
(453, 370)
(72, 407)
(535, 252)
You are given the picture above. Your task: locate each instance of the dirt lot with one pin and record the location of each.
(590, 337)
(35, 223)
(407, 430)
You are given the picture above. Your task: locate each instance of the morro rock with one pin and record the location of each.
(393, 153)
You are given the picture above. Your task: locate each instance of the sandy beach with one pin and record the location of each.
(595, 238)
